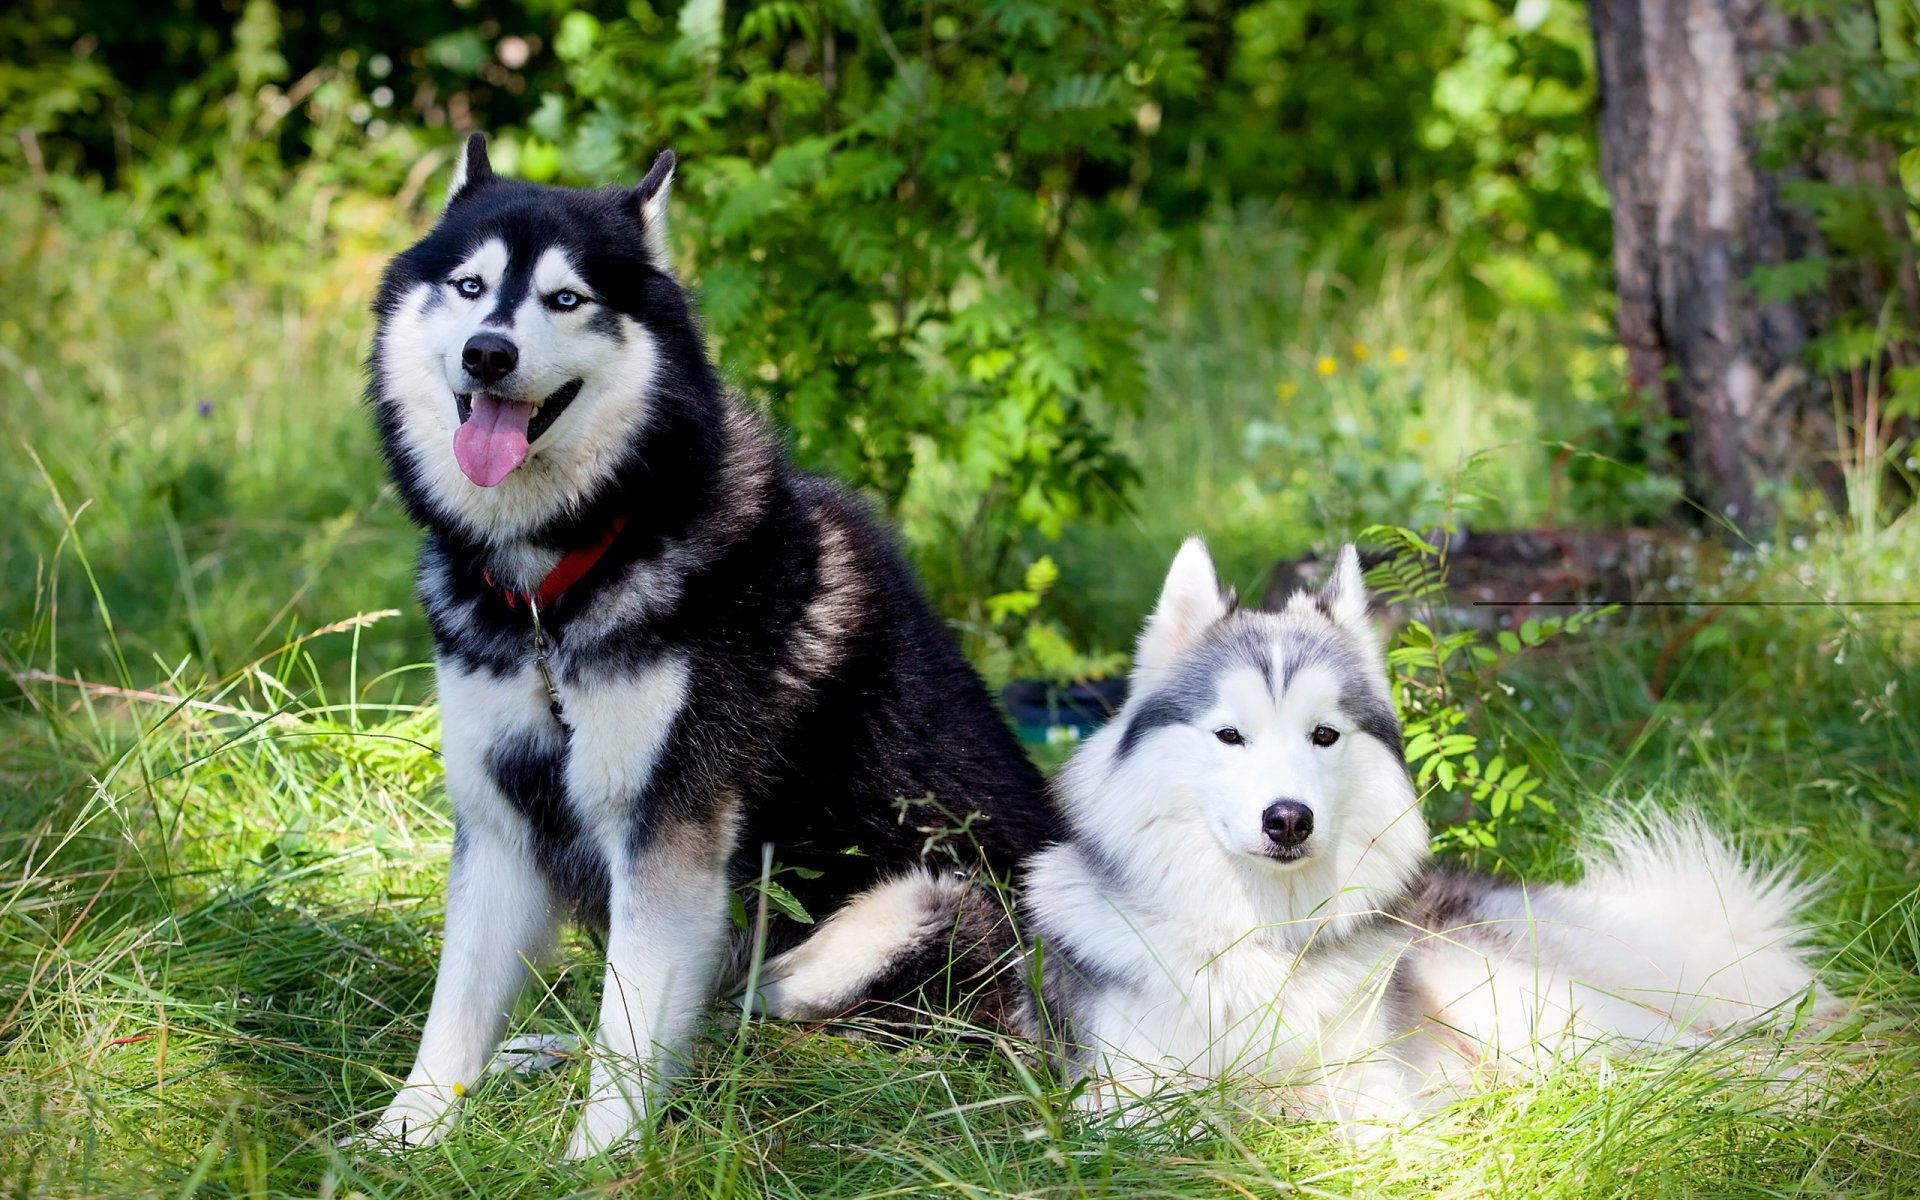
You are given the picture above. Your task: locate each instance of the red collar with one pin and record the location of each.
(571, 568)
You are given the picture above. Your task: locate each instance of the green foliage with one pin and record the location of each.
(1514, 112)
(766, 889)
(187, 402)
(1486, 107)
(1848, 93)
(886, 216)
(1015, 641)
(105, 88)
(1845, 138)
(1442, 681)
(929, 240)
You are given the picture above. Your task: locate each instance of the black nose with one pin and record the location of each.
(1287, 822)
(489, 357)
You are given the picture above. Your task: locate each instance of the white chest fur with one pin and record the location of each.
(1208, 989)
(620, 726)
(617, 729)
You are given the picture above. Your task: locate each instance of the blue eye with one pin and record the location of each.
(470, 286)
(566, 298)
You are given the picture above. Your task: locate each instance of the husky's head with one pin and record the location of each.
(521, 343)
(1273, 732)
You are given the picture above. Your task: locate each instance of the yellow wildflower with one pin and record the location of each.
(1398, 354)
(1360, 352)
(1286, 389)
(1326, 365)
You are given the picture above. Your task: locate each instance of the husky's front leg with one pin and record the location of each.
(499, 918)
(666, 938)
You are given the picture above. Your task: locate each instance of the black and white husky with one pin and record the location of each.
(660, 649)
(1245, 892)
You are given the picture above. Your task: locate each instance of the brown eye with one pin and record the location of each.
(1324, 735)
(1230, 736)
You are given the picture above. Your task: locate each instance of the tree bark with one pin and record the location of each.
(1684, 101)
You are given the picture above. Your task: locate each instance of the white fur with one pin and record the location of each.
(460, 178)
(1189, 602)
(620, 726)
(1345, 598)
(665, 943)
(653, 215)
(832, 614)
(501, 916)
(826, 974)
(667, 904)
(1205, 960)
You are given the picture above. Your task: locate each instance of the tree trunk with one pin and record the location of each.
(1683, 104)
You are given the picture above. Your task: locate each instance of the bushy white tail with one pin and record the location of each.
(1670, 917)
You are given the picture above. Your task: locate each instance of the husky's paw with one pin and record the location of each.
(610, 1121)
(420, 1115)
(1375, 1122)
(796, 999)
(1366, 1135)
(534, 1054)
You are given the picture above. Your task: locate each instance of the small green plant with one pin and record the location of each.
(1442, 681)
(1014, 641)
(777, 897)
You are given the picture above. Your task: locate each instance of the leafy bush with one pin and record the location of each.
(896, 246)
(1848, 93)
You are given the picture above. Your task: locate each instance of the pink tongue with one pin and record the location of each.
(493, 441)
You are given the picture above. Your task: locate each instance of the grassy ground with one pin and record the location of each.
(222, 861)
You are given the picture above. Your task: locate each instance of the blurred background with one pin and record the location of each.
(1068, 280)
(1045, 279)
(1558, 303)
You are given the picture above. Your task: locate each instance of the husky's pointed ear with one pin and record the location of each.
(1190, 602)
(1344, 599)
(471, 170)
(651, 199)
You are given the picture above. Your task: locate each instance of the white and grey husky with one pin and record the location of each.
(662, 653)
(1246, 892)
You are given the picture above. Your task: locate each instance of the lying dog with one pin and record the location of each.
(1246, 892)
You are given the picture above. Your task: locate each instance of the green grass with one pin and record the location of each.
(222, 861)
(215, 960)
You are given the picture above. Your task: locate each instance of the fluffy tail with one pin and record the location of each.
(922, 940)
(1669, 917)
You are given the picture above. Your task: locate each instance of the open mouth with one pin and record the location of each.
(495, 433)
(543, 417)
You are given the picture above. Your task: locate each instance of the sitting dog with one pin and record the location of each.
(664, 656)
